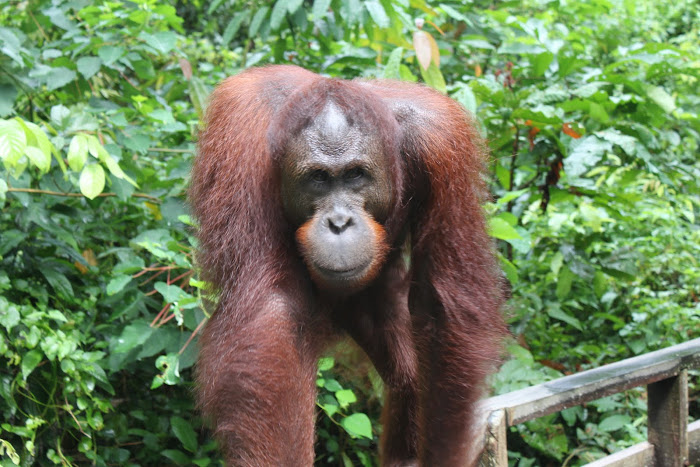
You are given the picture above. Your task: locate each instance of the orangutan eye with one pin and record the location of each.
(355, 173)
(320, 176)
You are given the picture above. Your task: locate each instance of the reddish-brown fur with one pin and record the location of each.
(431, 330)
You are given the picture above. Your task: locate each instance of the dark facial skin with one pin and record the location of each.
(336, 188)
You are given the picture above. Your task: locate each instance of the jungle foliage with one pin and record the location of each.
(591, 112)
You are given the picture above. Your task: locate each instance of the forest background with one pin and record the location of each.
(590, 109)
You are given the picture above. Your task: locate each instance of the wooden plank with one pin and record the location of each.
(694, 442)
(639, 455)
(537, 401)
(668, 419)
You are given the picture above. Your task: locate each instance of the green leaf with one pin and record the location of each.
(257, 20)
(557, 313)
(454, 14)
(345, 397)
(433, 77)
(77, 152)
(59, 77)
(466, 97)
(89, 66)
(378, 14)
(499, 228)
(614, 422)
(133, 335)
(280, 10)
(163, 41)
(199, 92)
(663, 99)
(13, 141)
(8, 95)
(9, 315)
(117, 284)
(110, 54)
(357, 425)
(37, 157)
(214, 5)
(92, 180)
(171, 293)
(393, 65)
(170, 367)
(184, 432)
(325, 363)
(585, 154)
(320, 9)
(541, 63)
(57, 280)
(564, 282)
(30, 360)
(234, 25)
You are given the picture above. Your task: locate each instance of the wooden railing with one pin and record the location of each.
(672, 442)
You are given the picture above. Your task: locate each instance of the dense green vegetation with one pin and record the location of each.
(591, 112)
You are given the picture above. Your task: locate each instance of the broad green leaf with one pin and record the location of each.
(345, 397)
(662, 98)
(329, 404)
(357, 425)
(433, 78)
(454, 14)
(117, 284)
(37, 157)
(77, 152)
(8, 95)
(499, 228)
(110, 54)
(509, 269)
(58, 77)
(3, 191)
(214, 5)
(58, 280)
(280, 10)
(92, 180)
(112, 165)
(169, 365)
(614, 422)
(13, 141)
(184, 432)
(89, 66)
(466, 97)
(9, 315)
(541, 63)
(333, 385)
(171, 293)
(133, 335)
(234, 25)
(257, 20)
(30, 360)
(564, 282)
(325, 363)
(392, 69)
(557, 313)
(320, 9)
(40, 139)
(199, 92)
(585, 154)
(378, 14)
(163, 41)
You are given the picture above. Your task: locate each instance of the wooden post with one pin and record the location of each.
(496, 451)
(668, 420)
